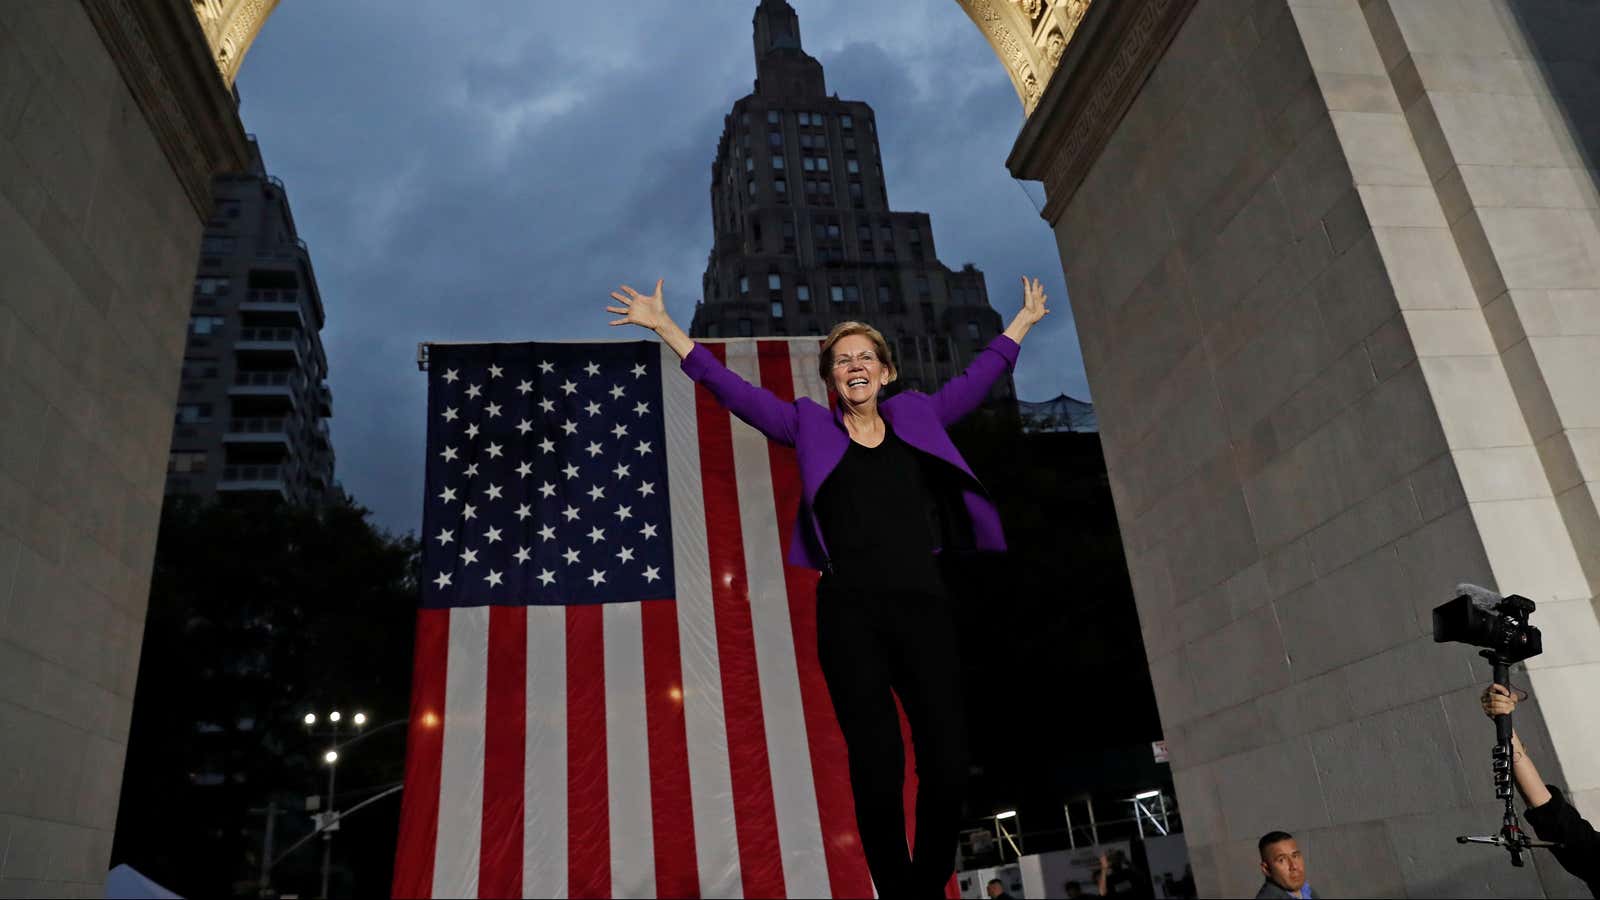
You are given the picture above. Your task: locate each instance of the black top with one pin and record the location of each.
(877, 512)
(1580, 850)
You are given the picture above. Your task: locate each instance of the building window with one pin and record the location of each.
(205, 324)
(885, 296)
(744, 284)
(808, 163)
(885, 233)
(190, 413)
(744, 118)
(972, 329)
(833, 229)
(211, 287)
(216, 244)
(749, 163)
(774, 139)
(849, 142)
(773, 116)
(923, 289)
(186, 462)
(745, 329)
(822, 164)
(852, 166)
(777, 162)
(752, 185)
(780, 186)
(817, 120)
(774, 282)
(802, 292)
(846, 122)
(836, 293)
(852, 294)
(855, 191)
(744, 140)
(805, 118)
(777, 309)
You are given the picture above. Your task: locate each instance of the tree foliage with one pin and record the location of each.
(259, 614)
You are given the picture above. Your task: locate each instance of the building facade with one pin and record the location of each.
(804, 234)
(254, 403)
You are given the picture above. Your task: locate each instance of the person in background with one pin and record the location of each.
(1552, 817)
(1117, 877)
(997, 890)
(1284, 867)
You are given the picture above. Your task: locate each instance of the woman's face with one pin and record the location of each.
(858, 373)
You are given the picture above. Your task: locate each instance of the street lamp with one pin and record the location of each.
(330, 818)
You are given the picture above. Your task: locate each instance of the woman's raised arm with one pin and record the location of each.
(650, 312)
(760, 408)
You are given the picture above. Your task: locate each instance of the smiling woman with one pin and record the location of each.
(885, 492)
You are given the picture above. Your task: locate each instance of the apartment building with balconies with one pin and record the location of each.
(253, 402)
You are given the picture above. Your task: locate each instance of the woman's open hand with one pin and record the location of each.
(1033, 298)
(638, 309)
(1033, 309)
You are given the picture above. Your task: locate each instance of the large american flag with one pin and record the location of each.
(616, 688)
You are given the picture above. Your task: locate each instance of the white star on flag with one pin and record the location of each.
(451, 376)
(443, 580)
(493, 578)
(445, 536)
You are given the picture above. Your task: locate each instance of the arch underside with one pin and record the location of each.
(1029, 37)
(231, 27)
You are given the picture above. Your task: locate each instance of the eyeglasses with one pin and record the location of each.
(864, 357)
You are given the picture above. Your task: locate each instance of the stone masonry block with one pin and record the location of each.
(1272, 787)
(1394, 763)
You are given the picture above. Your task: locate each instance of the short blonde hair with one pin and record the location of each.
(880, 345)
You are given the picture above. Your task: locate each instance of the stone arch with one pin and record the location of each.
(231, 27)
(1029, 37)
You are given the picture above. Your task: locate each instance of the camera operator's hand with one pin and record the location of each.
(1498, 700)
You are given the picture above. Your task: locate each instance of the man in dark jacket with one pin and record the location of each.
(1284, 868)
(1552, 817)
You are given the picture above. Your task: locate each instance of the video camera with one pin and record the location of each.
(1482, 618)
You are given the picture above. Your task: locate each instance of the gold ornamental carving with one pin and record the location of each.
(231, 27)
(1029, 37)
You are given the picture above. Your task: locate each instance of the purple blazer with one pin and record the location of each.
(820, 440)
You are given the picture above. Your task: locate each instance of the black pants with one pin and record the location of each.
(873, 646)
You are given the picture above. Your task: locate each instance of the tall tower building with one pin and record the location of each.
(253, 403)
(805, 237)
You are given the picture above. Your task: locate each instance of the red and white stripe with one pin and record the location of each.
(673, 748)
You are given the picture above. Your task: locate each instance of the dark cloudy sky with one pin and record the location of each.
(489, 170)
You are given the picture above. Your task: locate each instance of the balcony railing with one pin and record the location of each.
(285, 335)
(252, 473)
(273, 378)
(263, 425)
(273, 296)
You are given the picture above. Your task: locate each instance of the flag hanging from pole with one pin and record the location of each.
(616, 688)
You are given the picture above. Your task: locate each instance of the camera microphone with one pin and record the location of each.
(1481, 597)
